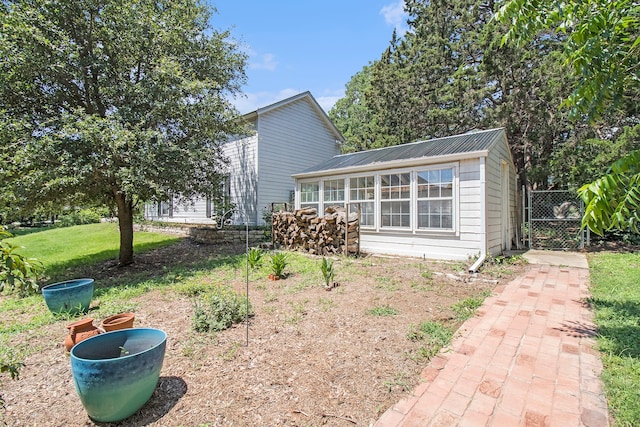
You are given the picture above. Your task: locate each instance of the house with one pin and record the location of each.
(450, 198)
(290, 135)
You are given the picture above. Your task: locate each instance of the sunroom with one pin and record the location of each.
(446, 198)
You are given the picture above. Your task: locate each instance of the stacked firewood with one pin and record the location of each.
(304, 229)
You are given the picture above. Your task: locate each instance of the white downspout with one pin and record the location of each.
(483, 218)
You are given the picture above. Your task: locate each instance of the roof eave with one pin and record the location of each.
(420, 161)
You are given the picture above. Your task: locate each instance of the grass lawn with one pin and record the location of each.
(615, 287)
(62, 248)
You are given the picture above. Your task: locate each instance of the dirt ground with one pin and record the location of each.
(313, 357)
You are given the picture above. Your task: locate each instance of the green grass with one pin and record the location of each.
(383, 310)
(432, 336)
(62, 248)
(615, 289)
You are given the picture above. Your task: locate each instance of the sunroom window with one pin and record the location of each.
(333, 192)
(309, 195)
(362, 193)
(435, 199)
(395, 204)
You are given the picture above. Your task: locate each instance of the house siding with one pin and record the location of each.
(243, 178)
(495, 198)
(291, 138)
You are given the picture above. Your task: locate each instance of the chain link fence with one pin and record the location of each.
(554, 220)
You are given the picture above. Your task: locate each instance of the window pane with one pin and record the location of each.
(309, 192)
(334, 190)
(367, 216)
(395, 186)
(396, 214)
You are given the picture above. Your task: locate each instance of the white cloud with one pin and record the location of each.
(251, 101)
(328, 101)
(395, 16)
(265, 61)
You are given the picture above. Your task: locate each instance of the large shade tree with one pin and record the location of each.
(114, 102)
(603, 50)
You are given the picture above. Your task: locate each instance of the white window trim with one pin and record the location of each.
(413, 173)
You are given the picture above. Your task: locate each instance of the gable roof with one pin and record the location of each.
(253, 115)
(457, 147)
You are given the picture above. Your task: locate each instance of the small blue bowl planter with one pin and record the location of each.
(116, 373)
(72, 296)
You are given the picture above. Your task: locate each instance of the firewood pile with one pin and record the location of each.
(304, 229)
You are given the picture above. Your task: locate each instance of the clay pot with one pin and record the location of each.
(274, 277)
(78, 331)
(118, 321)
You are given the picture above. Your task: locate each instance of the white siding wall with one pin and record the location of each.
(291, 139)
(495, 198)
(244, 178)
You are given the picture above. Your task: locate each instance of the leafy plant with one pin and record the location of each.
(467, 307)
(434, 334)
(218, 309)
(18, 273)
(254, 257)
(9, 365)
(278, 263)
(327, 271)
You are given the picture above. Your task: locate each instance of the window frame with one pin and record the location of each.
(372, 202)
(453, 198)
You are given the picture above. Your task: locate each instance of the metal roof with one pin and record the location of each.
(471, 142)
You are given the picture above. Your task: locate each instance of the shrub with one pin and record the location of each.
(80, 217)
(254, 257)
(18, 274)
(218, 309)
(327, 271)
(278, 263)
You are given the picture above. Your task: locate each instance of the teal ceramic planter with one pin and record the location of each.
(72, 296)
(116, 373)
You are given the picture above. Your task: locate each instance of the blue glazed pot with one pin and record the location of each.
(72, 296)
(116, 373)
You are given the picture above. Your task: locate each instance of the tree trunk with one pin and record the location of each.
(125, 222)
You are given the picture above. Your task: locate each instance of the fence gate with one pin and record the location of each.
(554, 220)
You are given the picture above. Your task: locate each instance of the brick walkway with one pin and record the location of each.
(527, 359)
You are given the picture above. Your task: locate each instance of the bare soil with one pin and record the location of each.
(308, 357)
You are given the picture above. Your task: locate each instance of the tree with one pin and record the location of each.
(115, 102)
(449, 75)
(603, 49)
(602, 45)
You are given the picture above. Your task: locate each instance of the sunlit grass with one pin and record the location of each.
(615, 292)
(62, 248)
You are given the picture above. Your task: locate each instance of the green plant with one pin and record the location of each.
(327, 271)
(254, 257)
(434, 334)
(18, 273)
(384, 310)
(9, 365)
(278, 263)
(616, 304)
(466, 308)
(218, 309)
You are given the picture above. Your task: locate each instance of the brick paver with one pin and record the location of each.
(526, 359)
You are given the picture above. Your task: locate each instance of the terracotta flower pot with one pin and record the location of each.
(118, 321)
(79, 331)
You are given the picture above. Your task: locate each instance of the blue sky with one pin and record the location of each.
(295, 46)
